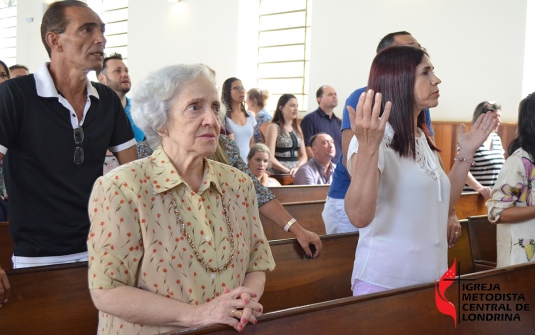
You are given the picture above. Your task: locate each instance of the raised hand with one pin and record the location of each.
(470, 141)
(366, 123)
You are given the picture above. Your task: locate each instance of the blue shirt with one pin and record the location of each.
(341, 179)
(138, 133)
(317, 122)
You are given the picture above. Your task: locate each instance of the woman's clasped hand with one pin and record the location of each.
(236, 308)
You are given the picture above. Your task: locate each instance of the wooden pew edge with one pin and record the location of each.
(14, 272)
(346, 301)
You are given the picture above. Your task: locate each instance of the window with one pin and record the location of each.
(114, 13)
(8, 32)
(284, 49)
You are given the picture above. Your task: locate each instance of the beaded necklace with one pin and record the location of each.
(190, 241)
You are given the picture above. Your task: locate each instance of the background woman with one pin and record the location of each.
(256, 103)
(166, 249)
(4, 72)
(258, 161)
(238, 119)
(285, 138)
(399, 195)
(488, 157)
(512, 205)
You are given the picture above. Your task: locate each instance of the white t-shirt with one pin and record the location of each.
(243, 134)
(406, 243)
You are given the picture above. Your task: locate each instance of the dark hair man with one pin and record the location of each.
(55, 127)
(114, 74)
(324, 120)
(18, 70)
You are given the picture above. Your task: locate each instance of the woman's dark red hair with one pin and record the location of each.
(393, 74)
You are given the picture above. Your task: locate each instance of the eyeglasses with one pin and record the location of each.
(78, 151)
(238, 88)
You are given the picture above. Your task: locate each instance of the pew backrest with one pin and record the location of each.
(462, 251)
(470, 204)
(6, 246)
(50, 300)
(298, 281)
(411, 310)
(296, 193)
(483, 242)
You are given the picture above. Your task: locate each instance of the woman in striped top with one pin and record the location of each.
(488, 158)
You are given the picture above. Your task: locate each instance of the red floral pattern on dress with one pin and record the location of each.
(136, 240)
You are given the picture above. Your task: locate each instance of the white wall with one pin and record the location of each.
(30, 49)
(476, 46)
(200, 31)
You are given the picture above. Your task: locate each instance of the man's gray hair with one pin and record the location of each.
(157, 93)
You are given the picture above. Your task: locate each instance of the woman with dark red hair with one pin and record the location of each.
(399, 195)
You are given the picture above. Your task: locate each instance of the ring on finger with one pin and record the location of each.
(236, 314)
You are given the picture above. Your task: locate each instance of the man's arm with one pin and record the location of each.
(310, 154)
(307, 127)
(127, 155)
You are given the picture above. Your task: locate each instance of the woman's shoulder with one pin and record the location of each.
(127, 173)
(227, 173)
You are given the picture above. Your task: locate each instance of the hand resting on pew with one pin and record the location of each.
(4, 287)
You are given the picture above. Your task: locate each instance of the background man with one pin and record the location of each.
(18, 70)
(55, 127)
(114, 74)
(324, 120)
(320, 168)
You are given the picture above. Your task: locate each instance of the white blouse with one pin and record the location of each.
(243, 134)
(406, 243)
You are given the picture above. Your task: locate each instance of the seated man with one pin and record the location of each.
(319, 169)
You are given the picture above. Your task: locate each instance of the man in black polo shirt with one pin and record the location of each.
(323, 120)
(55, 127)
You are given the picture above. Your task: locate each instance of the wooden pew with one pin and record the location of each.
(298, 281)
(483, 242)
(296, 193)
(55, 299)
(307, 213)
(462, 251)
(6, 246)
(410, 310)
(49, 300)
(470, 204)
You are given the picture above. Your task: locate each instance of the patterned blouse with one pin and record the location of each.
(514, 187)
(136, 240)
(286, 149)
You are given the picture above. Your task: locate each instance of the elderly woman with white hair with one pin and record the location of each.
(175, 238)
